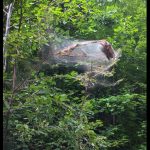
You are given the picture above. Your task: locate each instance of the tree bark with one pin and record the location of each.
(6, 34)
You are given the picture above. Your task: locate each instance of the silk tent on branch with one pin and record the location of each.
(96, 58)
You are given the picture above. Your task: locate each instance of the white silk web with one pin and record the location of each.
(96, 58)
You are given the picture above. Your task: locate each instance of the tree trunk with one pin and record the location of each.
(6, 34)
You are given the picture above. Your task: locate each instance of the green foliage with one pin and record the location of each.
(54, 110)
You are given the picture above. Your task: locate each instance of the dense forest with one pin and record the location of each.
(45, 105)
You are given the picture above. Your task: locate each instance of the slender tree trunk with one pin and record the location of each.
(21, 16)
(8, 16)
(5, 35)
(14, 77)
